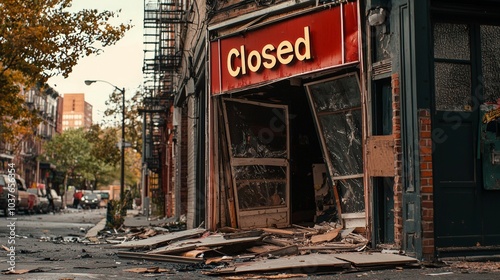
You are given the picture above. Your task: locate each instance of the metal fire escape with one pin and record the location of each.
(162, 56)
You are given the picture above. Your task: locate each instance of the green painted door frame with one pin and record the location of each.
(413, 40)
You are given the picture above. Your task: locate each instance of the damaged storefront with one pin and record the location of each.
(286, 120)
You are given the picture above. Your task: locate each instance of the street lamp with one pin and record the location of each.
(122, 144)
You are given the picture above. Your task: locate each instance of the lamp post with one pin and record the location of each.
(122, 144)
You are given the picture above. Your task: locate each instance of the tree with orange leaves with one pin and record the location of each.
(40, 39)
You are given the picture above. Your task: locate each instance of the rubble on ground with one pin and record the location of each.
(230, 252)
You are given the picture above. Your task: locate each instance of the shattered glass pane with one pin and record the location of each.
(337, 107)
(453, 86)
(451, 41)
(490, 56)
(342, 133)
(256, 131)
(260, 186)
(352, 196)
(336, 94)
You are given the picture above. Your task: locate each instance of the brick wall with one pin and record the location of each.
(426, 184)
(398, 156)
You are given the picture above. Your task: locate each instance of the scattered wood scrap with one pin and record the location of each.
(277, 276)
(161, 239)
(156, 257)
(329, 236)
(280, 232)
(231, 251)
(284, 251)
(148, 270)
(251, 233)
(307, 263)
(374, 259)
(209, 241)
(17, 271)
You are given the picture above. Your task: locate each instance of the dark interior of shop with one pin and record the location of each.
(304, 147)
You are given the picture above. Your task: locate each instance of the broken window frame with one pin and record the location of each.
(275, 215)
(332, 169)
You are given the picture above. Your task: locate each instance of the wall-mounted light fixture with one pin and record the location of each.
(377, 16)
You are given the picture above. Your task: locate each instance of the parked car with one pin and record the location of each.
(7, 186)
(103, 199)
(90, 200)
(44, 202)
(24, 201)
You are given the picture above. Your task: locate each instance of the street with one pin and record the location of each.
(47, 244)
(50, 246)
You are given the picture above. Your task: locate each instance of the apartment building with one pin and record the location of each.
(76, 112)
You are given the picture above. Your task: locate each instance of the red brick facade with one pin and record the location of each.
(398, 183)
(426, 184)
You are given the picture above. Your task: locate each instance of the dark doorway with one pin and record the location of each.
(466, 59)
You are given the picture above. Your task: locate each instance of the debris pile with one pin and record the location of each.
(230, 251)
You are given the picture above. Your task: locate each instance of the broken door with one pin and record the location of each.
(258, 138)
(336, 105)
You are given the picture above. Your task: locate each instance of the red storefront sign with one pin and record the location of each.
(303, 44)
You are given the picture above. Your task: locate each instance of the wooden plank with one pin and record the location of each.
(305, 262)
(278, 231)
(307, 229)
(232, 212)
(262, 249)
(161, 239)
(249, 233)
(277, 276)
(277, 242)
(209, 241)
(329, 236)
(284, 251)
(147, 270)
(195, 253)
(93, 232)
(156, 257)
(374, 259)
(337, 204)
(337, 246)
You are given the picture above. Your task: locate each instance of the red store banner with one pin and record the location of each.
(306, 43)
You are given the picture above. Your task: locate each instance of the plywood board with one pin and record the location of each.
(380, 156)
(304, 262)
(161, 239)
(209, 241)
(374, 259)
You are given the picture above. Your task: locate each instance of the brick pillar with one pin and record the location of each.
(398, 156)
(426, 183)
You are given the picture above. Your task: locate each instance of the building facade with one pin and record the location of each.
(45, 102)
(380, 115)
(76, 112)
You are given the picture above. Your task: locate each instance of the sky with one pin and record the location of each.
(120, 64)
